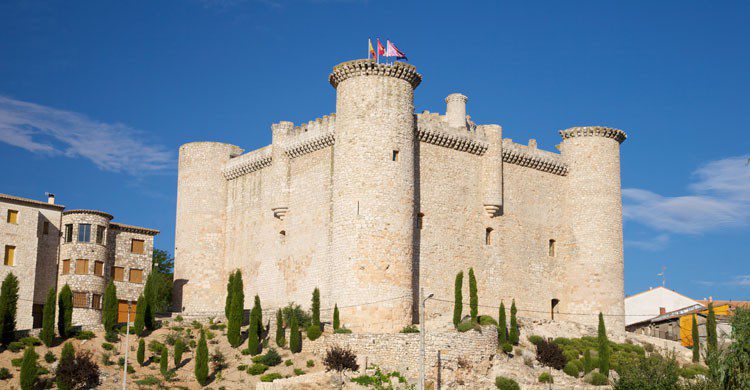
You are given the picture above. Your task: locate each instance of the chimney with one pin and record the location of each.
(456, 110)
(50, 197)
(662, 311)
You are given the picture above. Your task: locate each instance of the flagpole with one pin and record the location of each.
(377, 50)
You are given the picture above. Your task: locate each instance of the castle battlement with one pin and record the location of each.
(247, 163)
(311, 136)
(530, 156)
(434, 128)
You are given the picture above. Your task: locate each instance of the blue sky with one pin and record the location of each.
(96, 97)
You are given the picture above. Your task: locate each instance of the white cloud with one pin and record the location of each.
(720, 199)
(111, 146)
(741, 280)
(650, 244)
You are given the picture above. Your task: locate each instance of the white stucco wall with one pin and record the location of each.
(645, 305)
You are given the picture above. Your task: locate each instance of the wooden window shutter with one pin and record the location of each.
(66, 266)
(10, 255)
(13, 216)
(136, 246)
(136, 276)
(118, 274)
(80, 299)
(98, 268)
(82, 267)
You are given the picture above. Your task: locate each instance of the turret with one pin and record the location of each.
(455, 112)
(280, 132)
(374, 205)
(593, 211)
(492, 165)
(199, 285)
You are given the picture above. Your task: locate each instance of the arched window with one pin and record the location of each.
(551, 248)
(488, 236)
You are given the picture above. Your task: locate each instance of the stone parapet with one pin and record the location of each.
(432, 128)
(311, 136)
(246, 163)
(355, 68)
(540, 160)
(594, 131)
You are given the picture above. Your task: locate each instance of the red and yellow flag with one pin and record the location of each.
(370, 50)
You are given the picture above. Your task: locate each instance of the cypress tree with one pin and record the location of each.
(711, 338)
(295, 337)
(141, 355)
(67, 360)
(149, 295)
(473, 298)
(48, 320)
(696, 341)
(236, 310)
(8, 308)
(458, 299)
(179, 348)
(336, 321)
(164, 361)
(259, 313)
(29, 369)
(230, 291)
(603, 347)
(513, 332)
(280, 336)
(140, 313)
(316, 307)
(65, 311)
(109, 307)
(588, 365)
(201, 360)
(502, 325)
(253, 341)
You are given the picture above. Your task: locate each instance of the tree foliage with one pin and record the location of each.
(315, 307)
(295, 337)
(513, 332)
(66, 368)
(336, 321)
(236, 309)
(8, 308)
(109, 307)
(473, 296)
(696, 341)
(253, 339)
(65, 312)
(340, 359)
(712, 340)
(550, 354)
(164, 361)
(141, 354)
(458, 299)
(230, 292)
(652, 372)
(48, 319)
(280, 335)
(604, 351)
(179, 348)
(163, 271)
(140, 313)
(201, 360)
(29, 369)
(502, 325)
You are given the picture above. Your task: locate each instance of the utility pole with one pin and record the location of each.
(127, 349)
(422, 329)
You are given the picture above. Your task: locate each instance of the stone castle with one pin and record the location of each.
(374, 202)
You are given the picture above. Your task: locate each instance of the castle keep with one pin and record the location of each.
(374, 202)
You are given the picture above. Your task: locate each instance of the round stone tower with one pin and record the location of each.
(594, 276)
(374, 204)
(199, 280)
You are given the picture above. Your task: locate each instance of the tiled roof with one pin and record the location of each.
(31, 202)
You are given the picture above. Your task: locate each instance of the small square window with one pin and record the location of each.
(99, 268)
(69, 232)
(136, 276)
(80, 299)
(84, 232)
(99, 234)
(136, 246)
(96, 301)
(10, 255)
(13, 216)
(66, 266)
(118, 274)
(551, 248)
(82, 267)
(394, 156)
(45, 227)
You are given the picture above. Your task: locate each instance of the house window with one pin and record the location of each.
(394, 156)
(69, 232)
(551, 248)
(13, 216)
(84, 232)
(136, 246)
(99, 234)
(118, 273)
(420, 220)
(10, 255)
(488, 236)
(96, 301)
(66, 266)
(80, 299)
(136, 276)
(99, 268)
(45, 227)
(82, 267)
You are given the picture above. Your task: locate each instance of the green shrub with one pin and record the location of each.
(179, 348)
(604, 348)
(295, 337)
(570, 354)
(288, 362)
(201, 360)
(48, 318)
(535, 339)
(315, 308)
(270, 358)
(342, 331)
(598, 379)
(458, 299)
(29, 369)
(473, 296)
(293, 310)
(16, 362)
(336, 320)
(112, 337)
(31, 341)
(313, 332)
(504, 383)
(572, 368)
(164, 361)
(109, 307)
(280, 332)
(310, 363)
(653, 372)
(545, 377)
(108, 346)
(85, 335)
(65, 311)
(5, 374)
(299, 371)
(155, 347)
(141, 354)
(8, 308)
(690, 371)
(179, 318)
(257, 369)
(242, 367)
(410, 329)
(148, 381)
(507, 347)
(487, 320)
(502, 324)
(467, 325)
(50, 357)
(16, 346)
(270, 377)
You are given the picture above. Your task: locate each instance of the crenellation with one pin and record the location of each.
(530, 156)
(247, 163)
